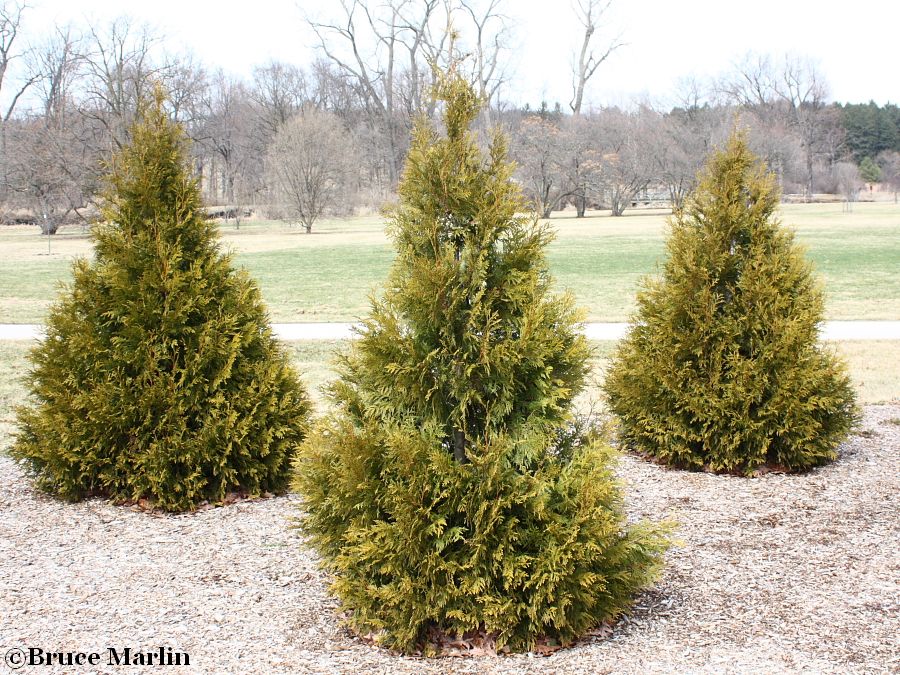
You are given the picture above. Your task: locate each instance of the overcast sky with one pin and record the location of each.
(853, 43)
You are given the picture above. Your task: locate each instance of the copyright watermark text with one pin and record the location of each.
(17, 658)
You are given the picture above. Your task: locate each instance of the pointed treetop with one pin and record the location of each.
(450, 190)
(737, 180)
(146, 180)
(463, 104)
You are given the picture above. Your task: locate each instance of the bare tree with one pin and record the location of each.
(889, 162)
(682, 138)
(581, 161)
(56, 65)
(751, 83)
(789, 94)
(626, 157)
(364, 42)
(234, 159)
(537, 149)
(332, 89)
(388, 50)
(46, 160)
(418, 38)
(43, 166)
(279, 91)
(10, 24)
(805, 94)
(833, 143)
(186, 84)
(309, 165)
(88, 90)
(848, 181)
(590, 14)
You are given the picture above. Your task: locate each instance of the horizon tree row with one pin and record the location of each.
(74, 94)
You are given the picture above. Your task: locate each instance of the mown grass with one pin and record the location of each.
(13, 369)
(328, 276)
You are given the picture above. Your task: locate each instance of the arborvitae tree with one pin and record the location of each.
(450, 490)
(723, 369)
(159, 377)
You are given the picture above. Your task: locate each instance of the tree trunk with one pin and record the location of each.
(4, 178)
(229, 186)
(49, 227)
(809, 175)
(459, 446)
(676, 197)
(580, 205)
(459, 436)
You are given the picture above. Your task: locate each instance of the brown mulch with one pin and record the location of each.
(779, 573)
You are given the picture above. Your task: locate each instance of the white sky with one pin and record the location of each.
(853, 43)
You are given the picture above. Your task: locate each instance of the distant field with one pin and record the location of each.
(327, 276)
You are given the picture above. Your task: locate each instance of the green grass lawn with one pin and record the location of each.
(328, 275)
(330, 282)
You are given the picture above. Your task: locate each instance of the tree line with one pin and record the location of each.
(297, 142)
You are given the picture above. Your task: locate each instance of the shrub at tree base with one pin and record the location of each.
(450, 490)
(159, 377)
(723, 369)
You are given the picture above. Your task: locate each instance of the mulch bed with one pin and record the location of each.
(779, 573)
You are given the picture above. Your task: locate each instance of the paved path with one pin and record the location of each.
(834, 330)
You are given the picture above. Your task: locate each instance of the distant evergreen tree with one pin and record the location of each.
(159, 376)
(722, 369)
(871, 129)
(450, 490)
(869, 170)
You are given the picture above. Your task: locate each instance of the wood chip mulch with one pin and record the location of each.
(779, 573)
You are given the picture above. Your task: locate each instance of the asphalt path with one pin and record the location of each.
(291, 332)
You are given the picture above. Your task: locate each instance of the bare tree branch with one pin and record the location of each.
(56, 63)
(590, 13)
(120, 71)
(487, 49)
(10, 24)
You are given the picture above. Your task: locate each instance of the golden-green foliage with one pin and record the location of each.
(723, 369)
(159, 377)
(450, 487)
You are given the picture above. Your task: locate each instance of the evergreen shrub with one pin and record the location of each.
(723, 369)
(159, 377)
(451, 490)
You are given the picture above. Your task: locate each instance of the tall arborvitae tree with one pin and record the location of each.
(450, 490)
(159, 377)
(723, 369)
